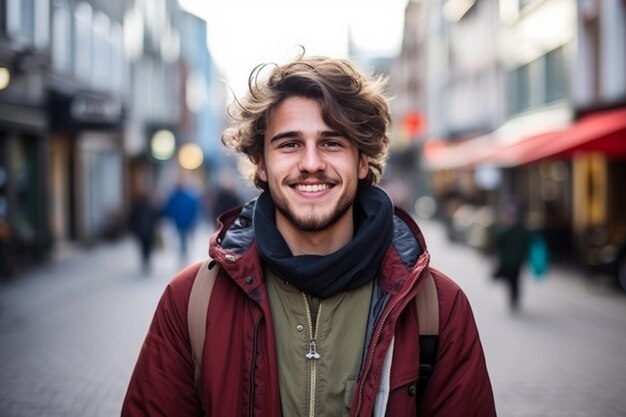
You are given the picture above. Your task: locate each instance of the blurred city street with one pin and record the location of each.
(71, 332)
(506, 121)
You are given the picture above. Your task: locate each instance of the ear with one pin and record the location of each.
(261, 170)
(364, 166)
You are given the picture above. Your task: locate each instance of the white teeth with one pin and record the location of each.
(312, 188)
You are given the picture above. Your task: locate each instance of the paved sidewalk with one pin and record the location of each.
(71, 330)
(564, 354)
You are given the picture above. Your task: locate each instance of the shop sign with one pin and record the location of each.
(85, 110)
(90, 108)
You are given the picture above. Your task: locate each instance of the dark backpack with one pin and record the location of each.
(427, 314)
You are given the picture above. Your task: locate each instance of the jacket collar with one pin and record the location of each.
(232, 246)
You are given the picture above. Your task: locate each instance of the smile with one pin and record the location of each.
(312, 188)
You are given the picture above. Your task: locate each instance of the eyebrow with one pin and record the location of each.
(296, 133)
(288, 134)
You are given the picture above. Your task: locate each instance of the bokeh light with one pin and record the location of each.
(163, 145)
(190, 156)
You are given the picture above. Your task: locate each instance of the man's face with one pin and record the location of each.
(312, 171)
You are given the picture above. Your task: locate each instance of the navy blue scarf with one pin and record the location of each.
(350, 267)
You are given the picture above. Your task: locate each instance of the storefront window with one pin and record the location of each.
(27, 190)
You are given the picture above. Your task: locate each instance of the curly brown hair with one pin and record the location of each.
(351, 103)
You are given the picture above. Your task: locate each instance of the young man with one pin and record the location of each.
(313, 311)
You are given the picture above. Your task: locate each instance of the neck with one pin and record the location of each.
(322, 242)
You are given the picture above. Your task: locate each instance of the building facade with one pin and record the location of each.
(529, 110)
(91, 96)
(24, 54)
(86, 97)
(599, 101)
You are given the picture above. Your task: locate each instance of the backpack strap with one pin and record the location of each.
(428, 319)
(197, 314)
(428, 307)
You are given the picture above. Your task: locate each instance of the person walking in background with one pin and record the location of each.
(182, 207)
(143, 222)
(512, 242)
(225, 197)
(313, 309)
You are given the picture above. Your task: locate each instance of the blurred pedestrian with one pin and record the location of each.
(313, 310)
(225, 196)
(143, 222)
(511, 243)
(182, 207)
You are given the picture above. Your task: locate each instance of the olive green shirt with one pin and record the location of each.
(324, 385)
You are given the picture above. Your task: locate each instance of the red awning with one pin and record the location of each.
(603, 132)
(520, 152)
(440, 155)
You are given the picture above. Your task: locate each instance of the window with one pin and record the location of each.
(519, 89)
(3, 16)
(100, 72)
(82, 41)
(26, 163)
(556, 75)
(61, 39)
(118, 74)
(591, 38)
(41, 22)
(20, 20)
(539, 82)
(27, 21)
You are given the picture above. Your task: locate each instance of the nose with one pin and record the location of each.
(312, 160)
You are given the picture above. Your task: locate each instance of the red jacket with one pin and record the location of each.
(240, 372)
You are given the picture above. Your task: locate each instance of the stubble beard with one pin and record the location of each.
(313, 222)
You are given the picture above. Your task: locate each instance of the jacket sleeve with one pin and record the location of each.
(459, 385)
(162, 383)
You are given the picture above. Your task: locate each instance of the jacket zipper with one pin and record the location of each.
(257, 325)
(375, 340)
(312, 355)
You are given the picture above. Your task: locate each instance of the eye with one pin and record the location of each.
(289, 145)
(332, 144)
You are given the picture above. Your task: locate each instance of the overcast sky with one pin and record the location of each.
(244, 33)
